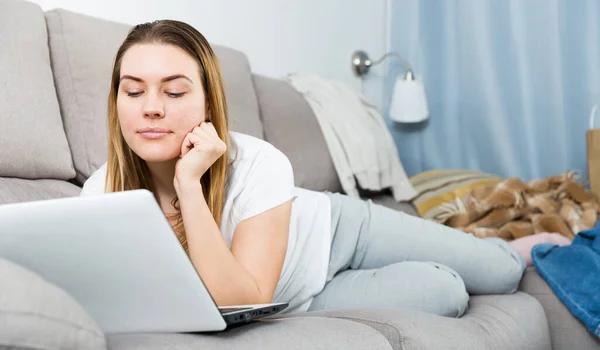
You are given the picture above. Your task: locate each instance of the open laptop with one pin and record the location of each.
(117, 255)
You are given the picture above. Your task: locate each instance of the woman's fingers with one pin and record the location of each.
(205, 132)
(188, 143)
(208, 129)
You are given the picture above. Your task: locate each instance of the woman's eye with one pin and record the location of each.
(170, 94)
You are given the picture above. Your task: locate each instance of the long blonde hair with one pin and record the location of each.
(125, 169)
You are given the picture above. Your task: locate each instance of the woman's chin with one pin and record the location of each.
(157, 156)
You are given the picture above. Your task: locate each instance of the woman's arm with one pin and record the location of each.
(249, 272)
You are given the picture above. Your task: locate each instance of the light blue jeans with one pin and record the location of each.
(381, 257)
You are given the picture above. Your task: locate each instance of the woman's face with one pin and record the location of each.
(160, 100)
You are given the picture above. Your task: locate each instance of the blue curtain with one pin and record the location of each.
(510, 83)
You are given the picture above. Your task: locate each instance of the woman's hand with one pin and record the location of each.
(199, 150)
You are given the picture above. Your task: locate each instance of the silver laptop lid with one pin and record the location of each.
(117, 255)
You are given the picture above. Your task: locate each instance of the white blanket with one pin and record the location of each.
(358, 139)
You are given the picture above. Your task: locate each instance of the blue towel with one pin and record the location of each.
(573, 273)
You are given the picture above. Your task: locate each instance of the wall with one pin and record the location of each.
(510, 84)
(278, 37)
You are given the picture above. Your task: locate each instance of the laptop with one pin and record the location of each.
(117, 255)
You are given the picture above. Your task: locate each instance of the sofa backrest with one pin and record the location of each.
(33, 144)
(83, 49)
(72, 56)
(290, 125)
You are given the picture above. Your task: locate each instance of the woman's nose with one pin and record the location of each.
(153, 108)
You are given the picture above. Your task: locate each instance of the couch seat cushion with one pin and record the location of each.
(14, 190)
(515, 321)
(287, 333)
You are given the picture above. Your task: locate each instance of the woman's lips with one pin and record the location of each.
(153, 133)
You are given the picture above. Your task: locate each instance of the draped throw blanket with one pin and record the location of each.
(572, 273)
(360, 144)
(512, 208)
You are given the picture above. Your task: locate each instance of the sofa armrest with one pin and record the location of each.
(35, 314)
(566, 331)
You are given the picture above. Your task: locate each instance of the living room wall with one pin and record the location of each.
(278, 36)
(510, 84)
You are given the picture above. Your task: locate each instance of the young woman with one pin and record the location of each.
(251, 235)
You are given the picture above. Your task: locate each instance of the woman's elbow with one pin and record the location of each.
(247, 298)
(264, 297)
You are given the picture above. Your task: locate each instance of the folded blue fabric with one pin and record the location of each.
(573, 273)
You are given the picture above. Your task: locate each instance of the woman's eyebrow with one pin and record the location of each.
(163, 80)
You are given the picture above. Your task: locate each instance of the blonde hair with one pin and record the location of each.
(125, 169)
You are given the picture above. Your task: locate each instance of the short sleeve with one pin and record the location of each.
(269, 183)
(94, 185)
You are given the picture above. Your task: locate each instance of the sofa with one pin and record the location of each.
(55, 70)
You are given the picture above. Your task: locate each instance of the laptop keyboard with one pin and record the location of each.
(225, 310)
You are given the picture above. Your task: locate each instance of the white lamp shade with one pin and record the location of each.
(409, 103)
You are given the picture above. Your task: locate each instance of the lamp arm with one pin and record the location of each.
(361, 63)
(402, 60)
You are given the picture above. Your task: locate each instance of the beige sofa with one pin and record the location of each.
(54, 76)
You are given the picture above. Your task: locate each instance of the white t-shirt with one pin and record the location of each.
(261, 178)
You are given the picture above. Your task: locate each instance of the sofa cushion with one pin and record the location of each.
(242, 103)
(437, 187)
(289, 333)
(14, 190)
(83, 49)
(515, 321)
(35, 314)
(33, 144)
(290, 125)
(566, 330)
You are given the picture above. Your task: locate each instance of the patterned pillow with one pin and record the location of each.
(437, 187)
